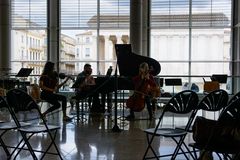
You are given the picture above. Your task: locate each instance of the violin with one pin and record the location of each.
(63, 76)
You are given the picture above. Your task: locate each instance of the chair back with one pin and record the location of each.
(214, 101)
(231, 112)
(235, 97)
(19, 100)
(183, 102)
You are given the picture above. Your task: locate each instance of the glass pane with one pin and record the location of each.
(208, 13)
(169, 44)
(78, 13)
(173, 68)
(29, 50)
(78, 46)
(169, 13)
(29, 13)
(114, 14)
(211, 44)
(206, 68)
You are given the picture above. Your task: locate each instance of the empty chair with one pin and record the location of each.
(5, 126)
(20, 102)
(183, 103)
(214, 101)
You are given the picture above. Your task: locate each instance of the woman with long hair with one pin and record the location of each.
(49, 85)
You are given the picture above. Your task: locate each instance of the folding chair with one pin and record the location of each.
(6, 126)
(213, 102)
(20, 102)
(183, 103)
(230, 116)
(235, 97)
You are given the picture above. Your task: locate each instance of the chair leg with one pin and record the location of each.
(26, 142)
(179, 147)
(195, 154)
(52, 143)
(150, 147)
(3, 144)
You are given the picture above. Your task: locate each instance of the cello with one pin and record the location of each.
(144, 84)
(136, 102)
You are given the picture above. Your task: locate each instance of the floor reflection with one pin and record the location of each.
(94, 139)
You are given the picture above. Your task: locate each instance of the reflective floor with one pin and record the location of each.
(101, 137)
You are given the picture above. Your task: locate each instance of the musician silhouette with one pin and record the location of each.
(143, 83)
(49, 84)
(85, 83)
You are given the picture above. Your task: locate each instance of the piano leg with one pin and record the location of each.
(80, 101)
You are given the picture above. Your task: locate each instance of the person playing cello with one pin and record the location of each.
(144, 85)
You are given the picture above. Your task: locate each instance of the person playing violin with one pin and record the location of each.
(143, 84)
(49, 84)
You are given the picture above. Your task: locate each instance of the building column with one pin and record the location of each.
(145, 28)
(113, 39)
(236, 46)
(53, 32)
(125, 39)
(136, 26)
(106, 46)
(5, 38)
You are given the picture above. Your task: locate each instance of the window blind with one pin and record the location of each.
(169, 13)
(80, 14)
(203, 13)
(29, 14)
(115, 14)
(211, 13)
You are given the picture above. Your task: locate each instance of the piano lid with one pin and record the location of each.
(128, 62)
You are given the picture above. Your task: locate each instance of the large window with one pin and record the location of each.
(29, 25)
(191, 38)
(92, 28)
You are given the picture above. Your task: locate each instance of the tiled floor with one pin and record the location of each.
(97, 139)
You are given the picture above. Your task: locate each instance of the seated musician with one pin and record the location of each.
(143, 84)
(49, 85)
(85, 83)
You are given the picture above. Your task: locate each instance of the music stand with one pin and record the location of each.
(24, 72)
(173, 82)
(221, 78)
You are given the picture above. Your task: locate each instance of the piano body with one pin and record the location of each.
(128, 64)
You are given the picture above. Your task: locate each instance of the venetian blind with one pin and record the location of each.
(29, 14)
(203, 13)
(80, 14)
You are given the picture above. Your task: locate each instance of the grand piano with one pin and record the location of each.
(128, 64)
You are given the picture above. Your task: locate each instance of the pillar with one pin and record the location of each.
(5, 37)
(53, 32)
(135, 26)
(236, 46)
(145, 27)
